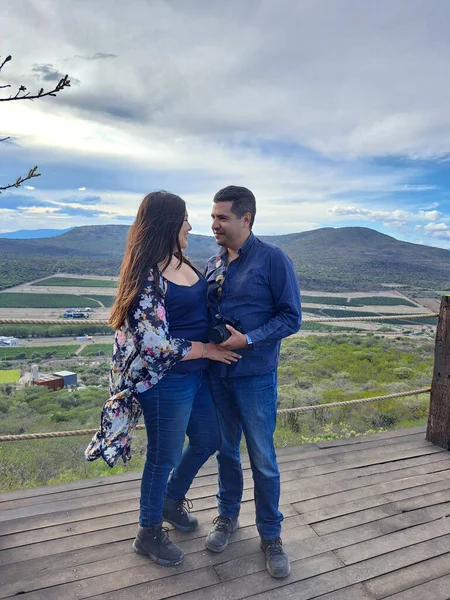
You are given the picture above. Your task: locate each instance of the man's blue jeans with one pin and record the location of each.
(178, 405)
(249, 405)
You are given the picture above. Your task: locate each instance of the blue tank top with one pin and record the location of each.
(188, 319)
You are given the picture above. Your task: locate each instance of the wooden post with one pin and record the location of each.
(438, 430)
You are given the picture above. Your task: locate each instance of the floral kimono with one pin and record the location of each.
(142, 353)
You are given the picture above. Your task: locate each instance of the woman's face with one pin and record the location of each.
(184, 232)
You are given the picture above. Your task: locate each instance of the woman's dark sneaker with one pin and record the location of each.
(154, 542)
(277, 561)
(177, 513)
(219, 535)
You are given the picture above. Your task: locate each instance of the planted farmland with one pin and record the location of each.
(66, 328)
(74, 282)
(105, 300)
(19, 300)
(380, 301)
(9, 376)
(333, 300)
(97, 350)
(37, 352)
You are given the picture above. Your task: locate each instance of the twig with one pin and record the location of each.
(31, 173)
(62, 83)
(7, 59)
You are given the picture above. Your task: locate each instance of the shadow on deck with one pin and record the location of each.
(365, 518)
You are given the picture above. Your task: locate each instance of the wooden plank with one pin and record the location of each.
(438, 589)
(383, 435)
(124, 496)
(354, 592)
(147, 571)
(363, 572)
(155, 589)
(300, 589)
(78, 564)
(233, 568)
(366, 571)
(408, 577)
(326, 491)
(379, 512)
(304, 506)
(288, 471)
(405, 493)
(75, 515)
(210, 468)
(245, 587)
(116, 534)
(422, 493)
(68, 529)
(132, 475)
(398, 532)
(399, 449)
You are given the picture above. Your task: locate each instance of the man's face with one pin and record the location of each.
(228, 230)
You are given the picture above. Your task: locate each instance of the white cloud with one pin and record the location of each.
(433, 215)
(353, 80)
(284, 97)
(436, 227)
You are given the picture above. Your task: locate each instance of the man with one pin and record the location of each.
(253, 284)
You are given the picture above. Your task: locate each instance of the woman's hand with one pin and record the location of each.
(214, 352)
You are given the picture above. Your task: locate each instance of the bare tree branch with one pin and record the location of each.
(31, 173)
(23, 94)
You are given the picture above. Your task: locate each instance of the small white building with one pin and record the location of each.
(9, 341)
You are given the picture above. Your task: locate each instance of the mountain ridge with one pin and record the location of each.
(31, 234)
(329, 259)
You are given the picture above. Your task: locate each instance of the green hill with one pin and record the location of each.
(327, 259)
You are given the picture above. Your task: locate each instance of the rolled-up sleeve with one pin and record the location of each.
(285, 290)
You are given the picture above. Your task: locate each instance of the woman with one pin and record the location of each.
(160, 355)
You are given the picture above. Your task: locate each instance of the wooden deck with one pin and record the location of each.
(365, 518)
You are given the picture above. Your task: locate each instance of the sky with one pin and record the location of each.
(334, 113)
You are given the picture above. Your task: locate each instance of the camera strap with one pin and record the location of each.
(221, 268)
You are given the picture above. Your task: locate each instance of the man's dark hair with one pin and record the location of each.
(242, 198)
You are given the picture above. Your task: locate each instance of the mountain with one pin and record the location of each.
(29, 234)
(328, 259)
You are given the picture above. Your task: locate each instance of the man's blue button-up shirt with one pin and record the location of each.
(260, 288)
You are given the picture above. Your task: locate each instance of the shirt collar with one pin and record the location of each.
(221, 257)
(243, 249)
(248, 244)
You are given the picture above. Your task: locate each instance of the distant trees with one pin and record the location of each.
(23, 94)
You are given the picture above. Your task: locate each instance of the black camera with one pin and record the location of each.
(218, 332)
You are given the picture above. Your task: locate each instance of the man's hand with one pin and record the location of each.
(235, 341)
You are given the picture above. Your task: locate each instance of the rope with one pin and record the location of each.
(377, 318)
(305, 320)
(53, 322)
(299, 409)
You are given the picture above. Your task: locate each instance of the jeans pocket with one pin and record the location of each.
(174, 376)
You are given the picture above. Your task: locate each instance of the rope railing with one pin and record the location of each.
(305, 320)
(283, 411)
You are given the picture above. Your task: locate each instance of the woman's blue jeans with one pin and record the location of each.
(177, 406)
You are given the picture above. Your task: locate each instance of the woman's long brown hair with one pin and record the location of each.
(152, 241)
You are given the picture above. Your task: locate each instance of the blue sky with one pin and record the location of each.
(334, 113)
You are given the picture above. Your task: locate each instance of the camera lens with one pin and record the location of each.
(218, 334)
